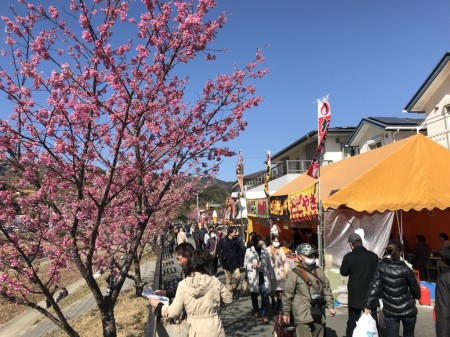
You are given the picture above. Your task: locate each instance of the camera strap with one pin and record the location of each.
(303, 273)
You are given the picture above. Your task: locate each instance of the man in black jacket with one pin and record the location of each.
(442, 300)
(231, 254)
(359, 265)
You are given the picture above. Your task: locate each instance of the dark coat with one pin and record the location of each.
(359, 265)
(442, 304)
(196, 234)
(202, 234)
(394, 282)
(231, 253)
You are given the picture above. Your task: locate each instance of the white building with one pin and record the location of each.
(433, 100)
(375, 132)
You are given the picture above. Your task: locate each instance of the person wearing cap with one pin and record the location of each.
(359, 265)
(306, 294)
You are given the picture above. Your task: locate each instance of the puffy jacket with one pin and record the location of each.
(395, 284)
(443, 304)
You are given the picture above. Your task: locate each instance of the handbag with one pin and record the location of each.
(245, 289)
(281, 329)
(213, 252)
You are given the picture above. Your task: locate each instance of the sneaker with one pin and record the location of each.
(236, 295)
(256, 314)
(265, 320)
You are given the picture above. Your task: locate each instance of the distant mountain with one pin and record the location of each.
(208, 181)
(209, 192)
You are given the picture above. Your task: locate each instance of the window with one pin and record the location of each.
(447, 109)
(349, 151)
(375, 145)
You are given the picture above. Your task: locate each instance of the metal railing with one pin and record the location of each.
(283, 168)
(152, 319)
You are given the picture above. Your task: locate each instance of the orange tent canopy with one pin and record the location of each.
(408, 174)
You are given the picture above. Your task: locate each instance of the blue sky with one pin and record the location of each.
(369, 56)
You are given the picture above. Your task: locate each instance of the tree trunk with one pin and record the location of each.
(69, 330)
(138, 284)
(108, 320)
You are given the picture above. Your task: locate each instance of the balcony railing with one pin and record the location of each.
(441, 138)
(281, 169)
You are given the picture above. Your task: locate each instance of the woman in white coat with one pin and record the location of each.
(280, 267)
(201, 295)
(261, 277)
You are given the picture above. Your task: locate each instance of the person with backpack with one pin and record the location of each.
(306, 295)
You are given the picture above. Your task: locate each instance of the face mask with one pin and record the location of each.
(309, 261)
(213, 235)
(276, 244)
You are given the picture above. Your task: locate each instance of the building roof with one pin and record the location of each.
(386, 123)
(313, 135)
(437, 76)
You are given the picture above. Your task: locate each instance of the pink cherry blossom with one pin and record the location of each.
(102, 144)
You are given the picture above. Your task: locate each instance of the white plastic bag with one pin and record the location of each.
(365, 327)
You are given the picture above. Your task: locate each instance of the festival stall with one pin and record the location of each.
(401, 188)
(258, 215)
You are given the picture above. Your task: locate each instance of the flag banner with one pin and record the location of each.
(240, 172)
(268, 174)
(251, 207)
(230, 206)
(279, 207)
(303, 204)
(324, 117)
(258, 208)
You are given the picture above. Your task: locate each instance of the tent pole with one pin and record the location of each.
(320, 224)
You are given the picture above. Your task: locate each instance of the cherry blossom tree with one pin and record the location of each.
(102, 140)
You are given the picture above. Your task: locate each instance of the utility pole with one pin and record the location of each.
(198, 213)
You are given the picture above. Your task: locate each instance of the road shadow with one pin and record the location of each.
(330, 332)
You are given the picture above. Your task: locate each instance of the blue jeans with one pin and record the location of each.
(264, 302)
(393, 325)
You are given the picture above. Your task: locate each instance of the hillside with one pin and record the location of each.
(210, 191)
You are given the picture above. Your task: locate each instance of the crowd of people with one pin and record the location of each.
(299, 293)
